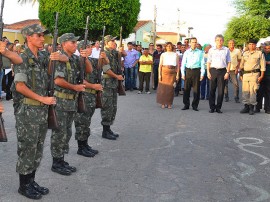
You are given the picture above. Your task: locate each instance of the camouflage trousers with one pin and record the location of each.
(109, 106)
(31, 128)
(61, 136)
(83, 120)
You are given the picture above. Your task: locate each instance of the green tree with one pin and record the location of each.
(253, 7)
(242, 28)
(73, 13)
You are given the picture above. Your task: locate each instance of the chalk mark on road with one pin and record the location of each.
(257, 141)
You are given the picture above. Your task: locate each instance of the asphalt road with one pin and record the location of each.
(161, 155)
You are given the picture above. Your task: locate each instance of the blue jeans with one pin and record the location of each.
(129, 78)
(135, 75)
(1, 78)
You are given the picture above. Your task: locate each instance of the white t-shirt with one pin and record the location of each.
(169, 58)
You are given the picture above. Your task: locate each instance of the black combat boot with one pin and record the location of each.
(59, 167)
(112, 133)
(82, 149)
(106, 133)
(26, 189)
(251, 110)
(90, 148)
(42, 190)
(245, 109)
(67, 166)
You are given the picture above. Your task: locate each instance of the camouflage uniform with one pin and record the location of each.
(66, 106)
(109, 95)
(30, 115)
(83, 120)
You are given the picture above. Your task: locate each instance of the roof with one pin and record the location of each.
(140, 24)
(21, 24)
(170, 33)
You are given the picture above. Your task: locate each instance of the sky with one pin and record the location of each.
(208, 18)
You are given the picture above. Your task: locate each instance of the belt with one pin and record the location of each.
(218, 68)
(64, 95)
(92, 91)
(29, 101)
(106, 76)
(252, 71)
(195, 68)
(169, 66)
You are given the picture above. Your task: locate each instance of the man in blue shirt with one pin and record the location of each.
(130, 61)
(218, 68)
(192, 71)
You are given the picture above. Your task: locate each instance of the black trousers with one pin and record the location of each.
(264, 91)
(217, 82)
(192, 81)
(155, 76)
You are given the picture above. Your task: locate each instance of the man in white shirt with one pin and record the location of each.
(95, 50)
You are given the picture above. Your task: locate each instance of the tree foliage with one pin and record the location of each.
(73, 13)
(242, 28)
(253, 21)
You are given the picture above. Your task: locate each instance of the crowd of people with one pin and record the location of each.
(173, 70)
(176, 69)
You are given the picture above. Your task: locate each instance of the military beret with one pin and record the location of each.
(109, 38)
(32, 29)
(252, 41)
(80, 44)
(68, 37)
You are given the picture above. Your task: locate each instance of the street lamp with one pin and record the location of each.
(189, 30)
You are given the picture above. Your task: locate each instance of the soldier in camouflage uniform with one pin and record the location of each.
(83, 120)
(31, 109)
(66, 90)
(110, 84)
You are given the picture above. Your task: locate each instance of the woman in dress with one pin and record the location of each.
(168, 74)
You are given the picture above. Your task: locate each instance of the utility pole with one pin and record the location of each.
(155, 26)
(179, 35)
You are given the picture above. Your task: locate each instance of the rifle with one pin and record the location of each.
(81, 101)
(100, 65)
(121, 90)
(3, 135)
(52, 119)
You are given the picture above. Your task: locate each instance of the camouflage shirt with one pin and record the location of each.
(69, 71)
(93, 76)
(113, 57)
(33, 72)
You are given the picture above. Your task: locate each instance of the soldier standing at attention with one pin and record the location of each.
(66, 89)
(83, 120)
(253, 69)
(110, 84)
(31, 108)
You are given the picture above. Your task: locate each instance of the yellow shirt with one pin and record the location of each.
(235, 56)
(253, 60)
(145, 68)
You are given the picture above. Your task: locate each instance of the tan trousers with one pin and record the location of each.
(250, 87)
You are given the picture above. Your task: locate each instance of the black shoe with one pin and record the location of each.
(202, 98)
(91, 149)
(195, 109)
(185, 108)
(83, 151)
(42, 190)
(126, 89)
(108, 135)
(251, 110)
(219, 111)
(211, 110)
(131, 89)
(237, 101)
(176, 94)
(257, 110)
(26, 189)
(112, 133)
(67, 166)
(267, 111)
(207, 98)
(245, 109)
(226, 99)
(135, 88)
(58, 167)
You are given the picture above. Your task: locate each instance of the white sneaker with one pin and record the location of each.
(139, 92)
(148, 92)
